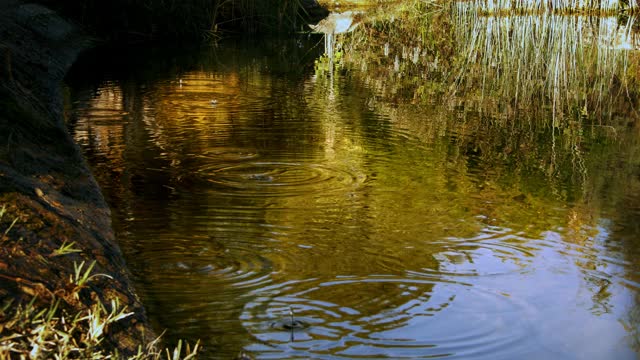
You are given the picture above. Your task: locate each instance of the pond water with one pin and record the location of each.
(431, 190)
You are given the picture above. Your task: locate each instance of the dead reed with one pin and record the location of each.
(564, 7)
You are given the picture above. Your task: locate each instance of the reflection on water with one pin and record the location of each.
(393, 225)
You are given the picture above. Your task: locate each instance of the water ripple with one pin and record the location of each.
(211, 263)
(402, 317)
(494, 251)
(278, 178)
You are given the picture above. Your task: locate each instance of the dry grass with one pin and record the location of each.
(30, 332)
(571, 63)
(59, 326)
(565, 7)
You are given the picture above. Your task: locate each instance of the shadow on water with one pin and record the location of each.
(421, 196)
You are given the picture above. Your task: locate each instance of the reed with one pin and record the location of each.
(573, 67)
(568, 63)
(496, 7)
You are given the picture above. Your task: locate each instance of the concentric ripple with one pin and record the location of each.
(402, 318)
(227, 154)
(238, 265)
(495, 251)
(278, 178)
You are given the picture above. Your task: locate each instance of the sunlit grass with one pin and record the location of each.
(81, 275)
(574, 67)
(65, 249)
(59, 326)
(570, 64)
(519, 7)
(28, 331)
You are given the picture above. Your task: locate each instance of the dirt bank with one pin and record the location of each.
(50, 198)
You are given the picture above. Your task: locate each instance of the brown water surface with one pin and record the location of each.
(401, 200)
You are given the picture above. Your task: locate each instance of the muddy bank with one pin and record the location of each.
(50, 197)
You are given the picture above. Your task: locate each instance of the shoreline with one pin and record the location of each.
(49, 198)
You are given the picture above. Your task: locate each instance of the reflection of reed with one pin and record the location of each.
(567, 63)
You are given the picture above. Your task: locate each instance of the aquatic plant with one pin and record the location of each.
(577, 67)
(570, 64)
(556, 81)
(553, 6)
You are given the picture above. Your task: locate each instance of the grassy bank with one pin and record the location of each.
(64, 323)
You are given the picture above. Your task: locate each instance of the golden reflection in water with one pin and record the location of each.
(390, 225)
(106, 110)
(199, 101)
